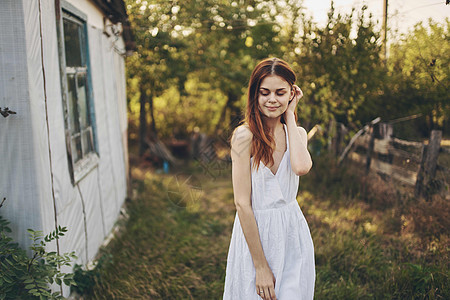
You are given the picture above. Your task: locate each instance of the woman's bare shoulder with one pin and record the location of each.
(241, 139)
(302, 130)
(303, 133)
(242, 132)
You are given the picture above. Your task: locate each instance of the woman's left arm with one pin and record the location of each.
(301, 161)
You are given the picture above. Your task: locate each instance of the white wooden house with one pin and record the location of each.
(63, 155)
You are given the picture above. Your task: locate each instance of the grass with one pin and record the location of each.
(175, 241)
(374, 242)
(174, 244)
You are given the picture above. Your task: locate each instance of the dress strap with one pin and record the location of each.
(286, 133)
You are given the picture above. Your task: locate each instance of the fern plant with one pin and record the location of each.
(24, 277)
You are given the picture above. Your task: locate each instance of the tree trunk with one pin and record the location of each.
(235, 114)
(153, 132)
(142, 121)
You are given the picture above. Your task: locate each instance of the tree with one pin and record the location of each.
(419, 77)
(217, 42)
(340, 67)
(159, 61)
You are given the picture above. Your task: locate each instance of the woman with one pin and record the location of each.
(271, 254)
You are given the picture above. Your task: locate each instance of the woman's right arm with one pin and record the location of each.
(241, 177)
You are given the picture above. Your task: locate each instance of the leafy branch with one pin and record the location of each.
(23, 277)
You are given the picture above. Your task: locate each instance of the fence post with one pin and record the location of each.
(332, 136)
(370, 147)
(386, 130)
(341, 132)
(427, 169)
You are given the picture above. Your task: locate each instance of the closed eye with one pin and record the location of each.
(266, 93)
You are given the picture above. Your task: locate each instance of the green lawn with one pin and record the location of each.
(175, 241)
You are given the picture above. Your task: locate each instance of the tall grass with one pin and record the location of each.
(169, 249)
(371, 241)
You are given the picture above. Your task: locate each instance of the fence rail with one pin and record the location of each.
(412, 163)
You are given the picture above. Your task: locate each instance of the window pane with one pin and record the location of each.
(87, 141)
(74, 121)
(82, 100)
(73, 43)
(77, 106)
(76, 148)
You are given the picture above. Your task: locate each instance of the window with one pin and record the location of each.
(78, 107)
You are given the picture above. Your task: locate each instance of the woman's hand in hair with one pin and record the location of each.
(295, 97)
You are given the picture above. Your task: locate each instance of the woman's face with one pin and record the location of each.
(273, 96)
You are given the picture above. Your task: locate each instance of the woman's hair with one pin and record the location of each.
(262, 140)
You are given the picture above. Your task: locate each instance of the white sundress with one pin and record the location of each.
(285, 238)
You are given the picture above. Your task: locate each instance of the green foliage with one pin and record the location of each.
(215, 44)
(218, 43)
(417, 82)
(340, 66)
(86, 279)
(23, 277)
(200, 100)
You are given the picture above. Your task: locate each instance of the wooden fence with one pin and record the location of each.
(412, 163)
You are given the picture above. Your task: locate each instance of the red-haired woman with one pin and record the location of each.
(271, 253)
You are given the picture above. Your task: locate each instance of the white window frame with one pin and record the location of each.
(89, 160)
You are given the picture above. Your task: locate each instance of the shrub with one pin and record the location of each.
(87, 278)
(23, 277)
